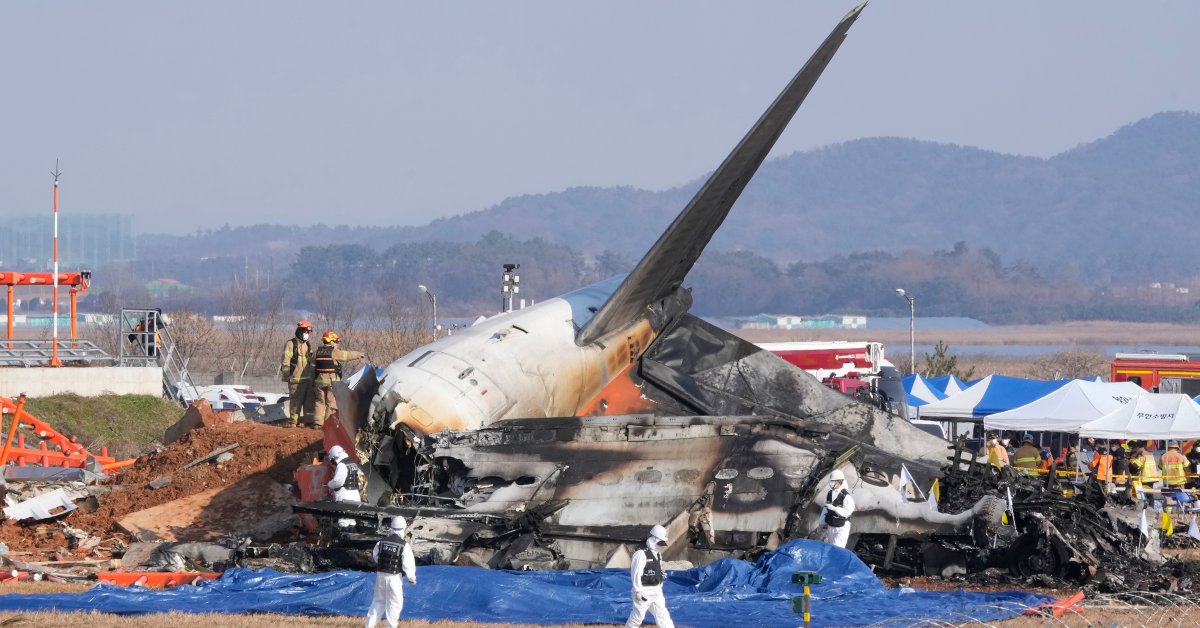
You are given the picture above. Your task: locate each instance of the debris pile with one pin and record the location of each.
(179, 505)
(1049, 533)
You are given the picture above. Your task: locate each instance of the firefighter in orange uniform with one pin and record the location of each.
(297, 372)
(327, 365)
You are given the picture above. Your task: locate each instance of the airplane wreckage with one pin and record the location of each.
(554, 436)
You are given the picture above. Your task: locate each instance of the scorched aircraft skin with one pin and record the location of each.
(554, 435)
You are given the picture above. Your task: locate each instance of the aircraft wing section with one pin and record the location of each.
(664, 267)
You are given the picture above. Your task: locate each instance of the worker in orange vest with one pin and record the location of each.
(1101, 464)
(1047, 460)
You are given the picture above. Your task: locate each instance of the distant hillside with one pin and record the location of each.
(1123, 206)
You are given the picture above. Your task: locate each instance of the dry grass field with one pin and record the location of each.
(1081, 334)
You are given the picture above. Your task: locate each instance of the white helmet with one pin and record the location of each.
(399, 524)
(837, 475)
(336, 453)
(659, 533)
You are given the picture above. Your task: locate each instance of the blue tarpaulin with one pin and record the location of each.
(727, 592)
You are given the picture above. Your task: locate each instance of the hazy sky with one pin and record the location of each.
(205, 113)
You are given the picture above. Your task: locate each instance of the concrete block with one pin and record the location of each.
(85, 381)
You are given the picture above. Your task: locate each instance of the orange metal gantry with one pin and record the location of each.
(79, 282)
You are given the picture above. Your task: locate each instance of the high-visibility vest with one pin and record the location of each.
(1101, 467)
(1028, 457)
(1174, 468)
(1149, 468)
(1045, 464)
(998, 456)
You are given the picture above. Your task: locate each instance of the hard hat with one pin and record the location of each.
(336, 452)
(1027, 437)
(304, 325)
(837, 475)
(1045, 452)
(329, 337)
(398, 523)
(659, 533)
(1172, 443)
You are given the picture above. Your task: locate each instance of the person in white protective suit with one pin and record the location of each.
(345, 481)
(394, 560)
(647, 575)
(835, 516)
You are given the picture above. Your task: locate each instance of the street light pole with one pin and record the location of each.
(912, 330)
(433, 302)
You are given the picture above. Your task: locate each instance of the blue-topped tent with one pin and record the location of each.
(949, 385)
(920, 392)
(992, 394)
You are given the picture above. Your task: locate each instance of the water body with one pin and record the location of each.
(1035, 350)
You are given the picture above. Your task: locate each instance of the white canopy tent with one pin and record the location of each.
(1151, 416)
(1067, 408)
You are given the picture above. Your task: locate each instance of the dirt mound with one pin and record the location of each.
(262, 449)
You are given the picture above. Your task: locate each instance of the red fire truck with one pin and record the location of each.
(1159, 372)
(856, 368)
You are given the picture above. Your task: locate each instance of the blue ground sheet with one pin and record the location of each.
(727, 592)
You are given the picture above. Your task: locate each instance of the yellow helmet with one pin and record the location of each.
(329, 337)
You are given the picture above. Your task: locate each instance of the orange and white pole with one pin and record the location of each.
(54, 361)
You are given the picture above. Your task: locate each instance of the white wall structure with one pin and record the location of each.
(87, 381)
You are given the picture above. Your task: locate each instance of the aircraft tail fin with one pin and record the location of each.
(665, 265)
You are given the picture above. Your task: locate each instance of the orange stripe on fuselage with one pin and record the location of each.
(620, 396)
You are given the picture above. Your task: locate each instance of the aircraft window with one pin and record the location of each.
(525, 480)
(686, 476)
(761, 473)
(726, 474)
(649, 476)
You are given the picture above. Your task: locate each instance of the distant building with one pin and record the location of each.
(791, 321)
(85, 241)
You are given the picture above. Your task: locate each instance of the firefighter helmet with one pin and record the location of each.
(304, 325)
(329, 337)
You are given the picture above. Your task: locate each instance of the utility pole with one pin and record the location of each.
(912, 327)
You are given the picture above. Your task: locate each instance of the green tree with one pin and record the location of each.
(942, 362)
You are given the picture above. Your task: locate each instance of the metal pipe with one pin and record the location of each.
(12, 429)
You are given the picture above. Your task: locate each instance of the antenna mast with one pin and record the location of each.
(54, 361)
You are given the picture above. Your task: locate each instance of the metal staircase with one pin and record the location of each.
(143, 339)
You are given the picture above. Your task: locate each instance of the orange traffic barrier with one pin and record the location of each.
(155, 578)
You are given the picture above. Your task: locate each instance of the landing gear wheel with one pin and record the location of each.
(1031, 557)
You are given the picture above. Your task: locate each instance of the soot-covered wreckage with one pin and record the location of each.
(554, 436)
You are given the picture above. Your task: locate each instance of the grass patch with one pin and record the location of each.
(126, 424)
